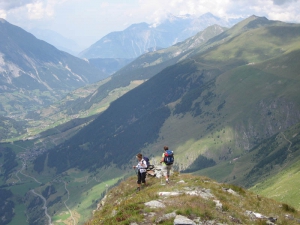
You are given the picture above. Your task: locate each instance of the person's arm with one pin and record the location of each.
(143, 164)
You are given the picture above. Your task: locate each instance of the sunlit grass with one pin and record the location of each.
(124, 206)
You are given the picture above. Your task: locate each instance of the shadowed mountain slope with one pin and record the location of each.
(146, 66)
(208, 104)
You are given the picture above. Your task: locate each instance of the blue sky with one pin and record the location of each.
(86, 21)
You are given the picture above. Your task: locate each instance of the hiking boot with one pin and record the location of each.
(167, 181)
(138, 189)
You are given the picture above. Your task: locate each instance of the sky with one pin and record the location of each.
(87, 21)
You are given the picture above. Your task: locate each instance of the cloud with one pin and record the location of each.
(281, 2)
(89, 20)
(30, 9)
(37, 11)
(12, 4)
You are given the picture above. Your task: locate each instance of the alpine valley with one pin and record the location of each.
(225, 100)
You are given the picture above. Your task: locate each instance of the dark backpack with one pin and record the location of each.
(147, 161)
(169, 157)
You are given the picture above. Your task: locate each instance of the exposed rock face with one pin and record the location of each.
(274, 117)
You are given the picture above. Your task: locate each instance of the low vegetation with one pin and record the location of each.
(123, 205)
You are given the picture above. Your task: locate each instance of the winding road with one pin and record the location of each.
(20, 171)
(66, 204)
(44, 206)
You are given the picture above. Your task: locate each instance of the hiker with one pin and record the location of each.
(167, 162)
(142, 169)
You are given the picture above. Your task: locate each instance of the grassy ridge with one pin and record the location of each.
(124, 206)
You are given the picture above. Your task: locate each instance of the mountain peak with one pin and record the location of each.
(209, 15)
(138, 38)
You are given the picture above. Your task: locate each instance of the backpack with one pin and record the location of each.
(147, 161)
(169, 157)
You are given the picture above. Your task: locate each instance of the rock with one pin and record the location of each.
(101, 203)
(204, 193)
(235, 220)
(272, 219)
(182, 220)
(229, 190)
(218, 204)
(155, 204)
(254, 215)
(151, 173)
(289, 217)
(165, 193)
(166, 217)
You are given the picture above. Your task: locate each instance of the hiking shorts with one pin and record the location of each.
(141, 177)
(165, 169)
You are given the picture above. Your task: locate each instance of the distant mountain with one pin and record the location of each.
(60, 42)
(143, 68)
(34, 73)
(141, 38)
(96, 97)
(222, 101)
(109, 65)
(228, 106)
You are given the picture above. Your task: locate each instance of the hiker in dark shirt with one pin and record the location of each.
(142, 169)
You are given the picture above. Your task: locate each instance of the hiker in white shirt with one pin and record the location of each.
(142, 169)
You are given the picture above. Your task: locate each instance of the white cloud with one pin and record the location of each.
(11, 4)
(3, 14)
(89, 20)
(36, 11)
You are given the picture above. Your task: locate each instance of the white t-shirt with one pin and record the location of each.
(142, 166)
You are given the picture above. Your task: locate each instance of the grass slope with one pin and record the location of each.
(123, 205)
(282, 186)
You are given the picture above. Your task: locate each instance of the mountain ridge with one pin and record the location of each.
(201, 68)
(34, 73)
(227, 102)
(138, 39)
